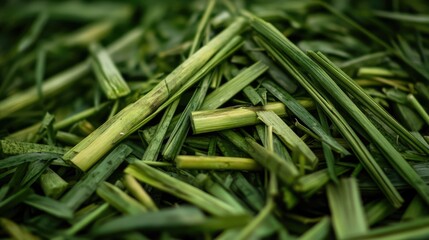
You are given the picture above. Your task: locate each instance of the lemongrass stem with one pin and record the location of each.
(418, 107)
(138, 192)
(216, 163)
(232, 117)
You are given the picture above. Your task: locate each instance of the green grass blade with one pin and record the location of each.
(152, 151)
(49, 205)
(216, 163)
(177, 137)
(286, 171)
(178, 188)
(119, 199)
(108, 76)
(348, 217)
(225, 92)
(289, 137)
(405, 230)
(87, 185)
(319, 231)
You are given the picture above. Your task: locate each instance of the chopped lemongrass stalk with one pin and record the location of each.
(87, 185)
(311, 183)
(225, 92)
(119, 199)
(319, 231)
(52, 184)
(348, 217)
(416, 229)
(289, 137)
(418, 107)
(262, 216)
(231, 117)
(89, 34)
(138, 192)
(49, 205)
(68, 138)
(178, 188)
(416, 209)
(286, 171)
(181, 129)
(218, 190)
(376, 211)
(155, 144)
(16, 231)
(11, 147)
(92, 148)
(376, 71)
(216, 163)
(327, 151)
(88, 219)
(252, 95)
(108, 76)
(202, 25)
(178, 219)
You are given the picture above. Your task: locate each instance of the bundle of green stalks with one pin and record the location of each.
(214, 119)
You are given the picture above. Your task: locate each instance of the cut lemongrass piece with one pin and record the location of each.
(119, 199)
(418, 107)
(181, 129)
(134, 187)
(348, 216)
(178, 188)
(417, 229)
(52, 184)
(319, 231)
(87, 185)
(377, 210)
(155, 144)
(285, 133)
(311, 183)
(225, 92)
(110, 79)
(284, 170)
(216, 163)
(232, 117)
(11, 147)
